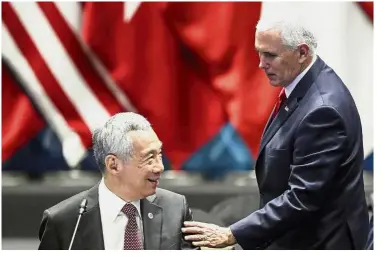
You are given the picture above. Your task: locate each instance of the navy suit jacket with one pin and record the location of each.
(309, 172)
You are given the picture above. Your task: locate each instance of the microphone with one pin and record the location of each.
(83, 205)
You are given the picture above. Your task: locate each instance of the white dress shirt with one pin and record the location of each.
(113, 220)
(294, 83)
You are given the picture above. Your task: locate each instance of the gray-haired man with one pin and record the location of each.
(125, 210)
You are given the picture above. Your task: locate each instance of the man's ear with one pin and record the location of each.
(112, 164)
(304, 51)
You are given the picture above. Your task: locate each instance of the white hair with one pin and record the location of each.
(292, 33)
(112, 138)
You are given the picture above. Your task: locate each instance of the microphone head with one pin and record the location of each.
(83, 203)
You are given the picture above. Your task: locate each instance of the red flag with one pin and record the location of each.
(188, 67)
(221, 35)
(156, 71)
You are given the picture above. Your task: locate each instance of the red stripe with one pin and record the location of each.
(20, 121)
(44, 74)
(79, 57)
(368, 8)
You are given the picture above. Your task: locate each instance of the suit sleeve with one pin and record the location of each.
(47, 234)
(318, 151)
(188, 216)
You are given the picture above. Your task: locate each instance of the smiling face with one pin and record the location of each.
(280, 63)
(139, 176)
(143, 171)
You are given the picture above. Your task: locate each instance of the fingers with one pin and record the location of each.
(198, 231)
(195, 224)
(201, 243)
(195, 237)
(192, 230)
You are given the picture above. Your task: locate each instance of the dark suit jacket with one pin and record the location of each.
(163, 231)
(309, 172)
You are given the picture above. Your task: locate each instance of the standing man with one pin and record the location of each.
(125, 210)
(309, 167)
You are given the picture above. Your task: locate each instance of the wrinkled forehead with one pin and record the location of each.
(145, 141)
(268, 41)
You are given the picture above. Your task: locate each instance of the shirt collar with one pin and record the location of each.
(113, 203)
(295, 82)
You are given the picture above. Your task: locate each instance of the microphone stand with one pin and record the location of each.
(81, 211)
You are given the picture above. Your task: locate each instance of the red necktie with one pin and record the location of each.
(281, 98)
(132, 238)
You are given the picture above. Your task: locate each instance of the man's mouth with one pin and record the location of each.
(154, 181)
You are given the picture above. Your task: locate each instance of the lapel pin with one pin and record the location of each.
(286, 108)
(150, 215)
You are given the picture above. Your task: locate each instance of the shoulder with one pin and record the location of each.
(330, 90)
(166, 197)
(166, 194)
(69, 206)
(328, 95)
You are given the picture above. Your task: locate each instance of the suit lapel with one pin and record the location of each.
(291, 103)
(286, 110)
(268, 122)
(90, 227)
(152, 222)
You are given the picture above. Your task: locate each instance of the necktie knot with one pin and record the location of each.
(282, 95)
(281, 98)
(129, 210)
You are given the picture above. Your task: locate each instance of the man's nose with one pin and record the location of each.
(159, 167)
(262, 62)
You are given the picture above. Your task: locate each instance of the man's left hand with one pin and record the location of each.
(208, 235)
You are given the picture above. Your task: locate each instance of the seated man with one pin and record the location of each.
(125, 210)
